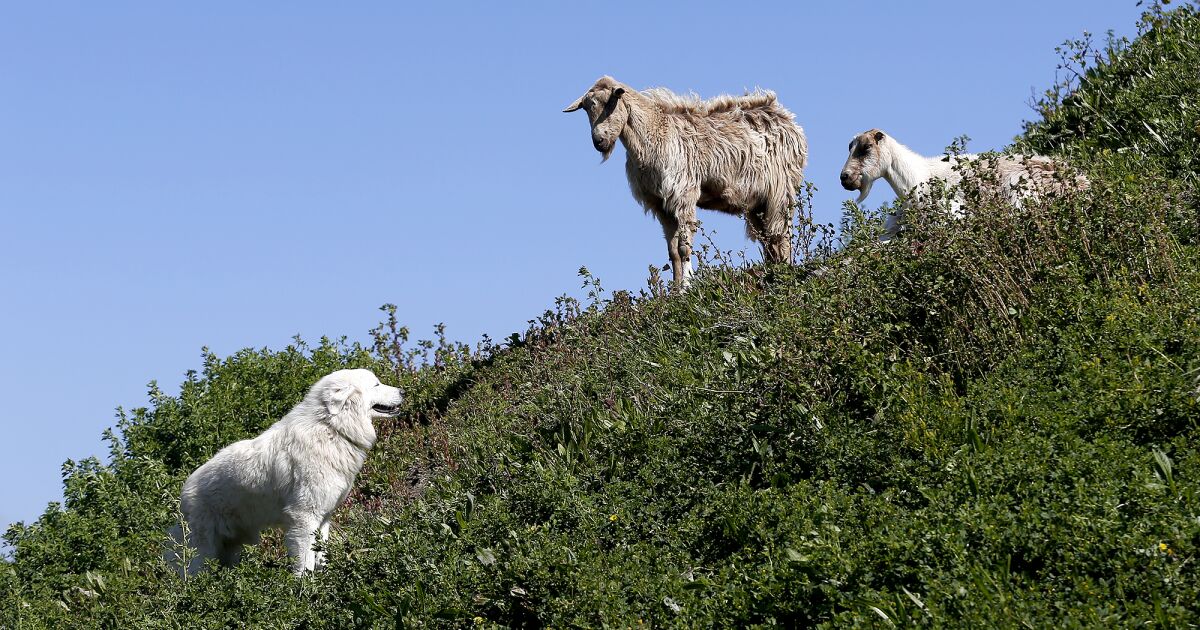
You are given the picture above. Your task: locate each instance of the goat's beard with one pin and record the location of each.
(864, 190)
(608, 153)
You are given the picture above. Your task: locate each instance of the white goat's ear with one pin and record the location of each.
(335, 399)
(576, 105)
(878, 136)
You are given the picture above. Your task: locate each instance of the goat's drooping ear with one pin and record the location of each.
(576, 105)
(878, 136)
(336, 398)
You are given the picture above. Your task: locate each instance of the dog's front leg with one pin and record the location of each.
(299, 538)
(323, 534)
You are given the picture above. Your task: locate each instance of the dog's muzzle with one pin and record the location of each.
(390, 411)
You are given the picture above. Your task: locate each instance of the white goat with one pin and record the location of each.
(874, 154)
(743, 155)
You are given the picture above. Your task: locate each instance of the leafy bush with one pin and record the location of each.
(989, 422)
(1130, 103)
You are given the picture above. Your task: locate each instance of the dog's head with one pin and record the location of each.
(360, 389)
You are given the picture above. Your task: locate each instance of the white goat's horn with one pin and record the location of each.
(574, 106)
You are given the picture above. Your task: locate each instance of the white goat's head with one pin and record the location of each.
(607, 112)
(865, 164)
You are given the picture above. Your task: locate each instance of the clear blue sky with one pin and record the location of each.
(174, 175)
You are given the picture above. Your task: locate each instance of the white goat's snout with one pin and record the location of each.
(850, 182)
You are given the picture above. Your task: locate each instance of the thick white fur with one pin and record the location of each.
(292, 476)
(874, 155)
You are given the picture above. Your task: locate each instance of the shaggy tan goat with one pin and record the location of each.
(743, 155)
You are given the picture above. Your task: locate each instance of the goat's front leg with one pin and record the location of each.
(686, 233)
(683, 210)
(671, 232)
(891, 226)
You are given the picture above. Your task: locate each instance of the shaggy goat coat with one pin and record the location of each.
(742, 155)
(875, 154)
(294, 475)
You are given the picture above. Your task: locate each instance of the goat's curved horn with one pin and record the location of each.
(574, 106)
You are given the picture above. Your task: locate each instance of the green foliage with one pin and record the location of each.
(1129, 96)
(1131, 103)
(991, 422)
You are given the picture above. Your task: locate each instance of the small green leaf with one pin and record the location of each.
(796, 556)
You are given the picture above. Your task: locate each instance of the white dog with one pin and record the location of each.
(292, 476)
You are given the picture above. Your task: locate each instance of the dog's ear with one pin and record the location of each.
(336, 397)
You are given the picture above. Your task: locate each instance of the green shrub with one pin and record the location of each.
(987, 423)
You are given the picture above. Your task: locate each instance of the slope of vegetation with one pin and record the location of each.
(990, 422)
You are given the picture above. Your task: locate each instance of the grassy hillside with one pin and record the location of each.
(990, 422)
